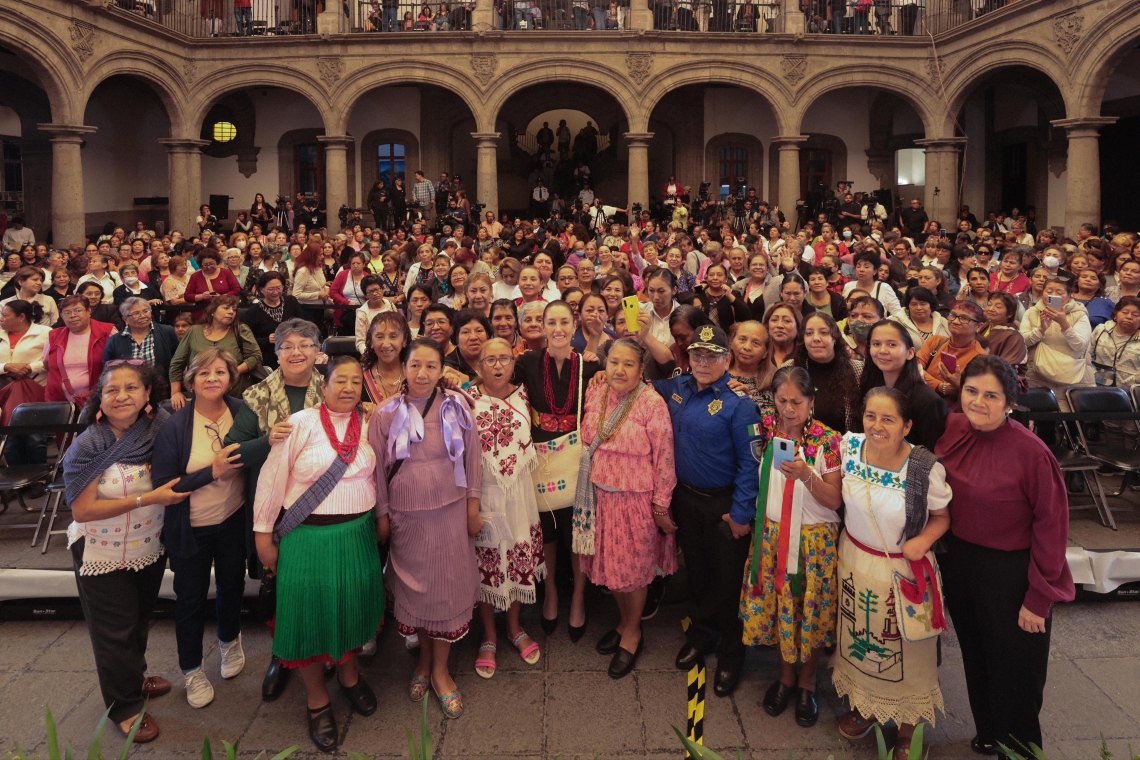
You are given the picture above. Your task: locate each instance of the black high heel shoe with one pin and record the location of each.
(549, 626)
(576, 632)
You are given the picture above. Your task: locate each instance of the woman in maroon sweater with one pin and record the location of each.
(1005, 566)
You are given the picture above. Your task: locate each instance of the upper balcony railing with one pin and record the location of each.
(218, 18)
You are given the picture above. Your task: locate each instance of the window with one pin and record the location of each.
(733, 170)
(911, 163)
(815, 170)
(389, 162)
(224, 131)
(309, 169)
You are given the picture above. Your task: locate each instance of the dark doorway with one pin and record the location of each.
(1119, 162)
(1013, 176)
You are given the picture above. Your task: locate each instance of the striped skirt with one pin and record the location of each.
(330, 595)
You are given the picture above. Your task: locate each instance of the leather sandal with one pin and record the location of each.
(531, 654)
(485, 666)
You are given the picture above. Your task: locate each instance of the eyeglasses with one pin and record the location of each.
(118, 362)
(297, 347)
(498, 361)
(74, 313)
(139, 313)
(960, 318)
(215, 436)
(705, 360)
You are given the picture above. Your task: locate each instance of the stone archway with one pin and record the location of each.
(368, 157)
(834, 145)
(750, 143)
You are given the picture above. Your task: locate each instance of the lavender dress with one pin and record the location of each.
(432, 568)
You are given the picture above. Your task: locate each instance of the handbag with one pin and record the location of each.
(556, 475)
(919, 607)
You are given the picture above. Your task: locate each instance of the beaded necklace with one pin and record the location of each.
(548, 370)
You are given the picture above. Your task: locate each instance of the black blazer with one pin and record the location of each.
(171, 455)
(165, 344)
(147, 293)
(262, 326)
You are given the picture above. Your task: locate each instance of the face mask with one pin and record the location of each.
(827, 271)
(241, 245)
(860, 331)
(1052, 262)
(847, 234)
(131, 281)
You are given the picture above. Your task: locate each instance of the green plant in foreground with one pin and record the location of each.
(699, 752)
(94, 750)
(231, 751)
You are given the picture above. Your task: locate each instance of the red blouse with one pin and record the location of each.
(1009, 494)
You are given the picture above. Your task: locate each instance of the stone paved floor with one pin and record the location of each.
(566, 706)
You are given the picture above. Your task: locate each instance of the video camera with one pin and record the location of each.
(703, 191)
(343, 214)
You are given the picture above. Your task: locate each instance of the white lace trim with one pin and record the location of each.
(910, 709)
(102, 567)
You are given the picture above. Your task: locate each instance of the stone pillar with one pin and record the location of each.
(36, 161)
(638, 143)
(793, 17)
(487, 181)
(1082, 178)
(68, 219)
(332, 20)
(184, 177)
(941, 198)
(336, 176)
(640, 17)
(483, 16)
(789, 190)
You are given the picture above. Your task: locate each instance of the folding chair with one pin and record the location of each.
(1067, 455)
(47, 417)
(1103, 400)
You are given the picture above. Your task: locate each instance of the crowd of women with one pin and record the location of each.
(817, 427)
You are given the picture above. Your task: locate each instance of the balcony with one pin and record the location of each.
(273, 18)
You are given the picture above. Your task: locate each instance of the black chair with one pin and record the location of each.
(1099, 440)
(341, 345)
(47, 417)
(1067, 455)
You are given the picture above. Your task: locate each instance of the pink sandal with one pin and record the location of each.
(487, 663)
(531, 654)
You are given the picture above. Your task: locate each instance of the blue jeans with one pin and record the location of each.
(580, 18)
(223, 547)
(862, 22)
(391, 20)
(599, 15)
(244, 17)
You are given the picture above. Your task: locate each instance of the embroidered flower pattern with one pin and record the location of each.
(489, 565)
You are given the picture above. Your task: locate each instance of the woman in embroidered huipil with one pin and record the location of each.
(429, 478)
(623, 528)
(884, 675)
(114, 539)
(789, 591)
(510, 549)
(330, 595)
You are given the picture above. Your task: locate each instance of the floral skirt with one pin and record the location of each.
(884, 675)
(798, 624)
(629, 550)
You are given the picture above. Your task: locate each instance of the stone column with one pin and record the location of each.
(789, 190)
(184, 177)
(639, 15)
(68, 219)
(941, 198)
(487, 181)
(483, 16)
(638, 143)
(336, 176)
(793, 17)
(1082, 171)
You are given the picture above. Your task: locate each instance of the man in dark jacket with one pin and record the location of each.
(142, 338)
(914, 219)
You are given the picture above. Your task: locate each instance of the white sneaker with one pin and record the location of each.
(411, 643)
(199, 690)
(233, 658)
(369, 649)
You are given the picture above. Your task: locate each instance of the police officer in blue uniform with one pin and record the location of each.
(717, 464)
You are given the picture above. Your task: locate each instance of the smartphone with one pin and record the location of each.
(632, 308)
(784, 451)
(943, 234)
(1053, 302)
(950, 362)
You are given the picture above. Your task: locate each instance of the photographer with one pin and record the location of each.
(600, 214)
(873, 211)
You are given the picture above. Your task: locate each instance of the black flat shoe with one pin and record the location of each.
(807, 709)
(549, 626)
(726, 681)
(688, 657)
(983, 748)
(777, 697)
(360, 696)
(576, 632)
(275, 681)
(322, 729)
(624, 660)
(609, 643)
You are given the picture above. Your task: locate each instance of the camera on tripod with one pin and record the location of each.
(703, 191)
(343, 214)
(635, 210)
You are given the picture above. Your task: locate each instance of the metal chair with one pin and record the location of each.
(1102, 447)
(1068, 457)
(47, 417)
(340, 345)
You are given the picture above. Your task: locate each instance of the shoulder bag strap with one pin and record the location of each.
(581, 376)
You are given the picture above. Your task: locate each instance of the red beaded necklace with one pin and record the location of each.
(347, 448)
(548, 369)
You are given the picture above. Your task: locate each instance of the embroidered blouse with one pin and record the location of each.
(639, 456)
(127, 542)
(820, 449)
(504, 435)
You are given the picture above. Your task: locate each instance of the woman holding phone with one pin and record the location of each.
(943, 359)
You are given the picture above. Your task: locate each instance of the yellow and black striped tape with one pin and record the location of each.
(696, 698)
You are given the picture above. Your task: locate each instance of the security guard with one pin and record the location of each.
(717, 481)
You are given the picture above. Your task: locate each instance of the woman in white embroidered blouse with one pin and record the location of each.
(114, 539)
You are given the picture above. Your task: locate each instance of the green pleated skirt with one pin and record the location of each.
(330, 593)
